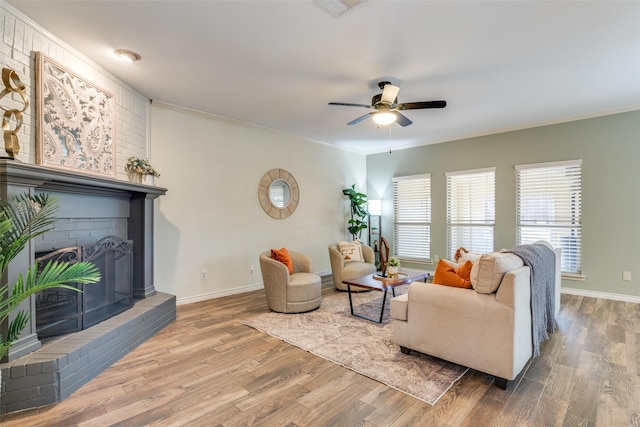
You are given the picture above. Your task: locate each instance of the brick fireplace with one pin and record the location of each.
(38, 370)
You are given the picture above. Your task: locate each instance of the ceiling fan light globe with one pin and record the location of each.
(384, 118)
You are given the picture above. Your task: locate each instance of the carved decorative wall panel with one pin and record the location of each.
(75, 121)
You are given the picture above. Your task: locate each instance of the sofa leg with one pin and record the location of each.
(502, 383)
(405, 350)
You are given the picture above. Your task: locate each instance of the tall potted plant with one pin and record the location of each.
(22, 219)
(359, 213)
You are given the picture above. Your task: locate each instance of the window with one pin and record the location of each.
(412, 217)
(471, 210)
(548, 207)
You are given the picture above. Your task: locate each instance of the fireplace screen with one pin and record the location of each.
(61, 311)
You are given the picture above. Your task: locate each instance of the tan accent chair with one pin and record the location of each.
(350, 270)
(290, 293)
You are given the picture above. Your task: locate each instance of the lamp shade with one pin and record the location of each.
(375, 207)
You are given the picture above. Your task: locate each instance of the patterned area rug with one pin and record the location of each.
(332, 333)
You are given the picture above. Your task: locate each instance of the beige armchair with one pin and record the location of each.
(290, 293)
(342, 270)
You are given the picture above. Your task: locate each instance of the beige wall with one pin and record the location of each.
(211, 219)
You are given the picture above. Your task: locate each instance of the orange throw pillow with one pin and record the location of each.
(282, 255)
(464, 271)
(457, 277)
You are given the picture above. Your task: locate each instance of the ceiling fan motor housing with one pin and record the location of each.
(376, 101)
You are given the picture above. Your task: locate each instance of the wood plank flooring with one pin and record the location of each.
(207, 369)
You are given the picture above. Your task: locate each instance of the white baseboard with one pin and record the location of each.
(218, 294)
(227, 292)
(602, 295)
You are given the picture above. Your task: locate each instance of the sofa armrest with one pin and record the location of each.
(515, 288)
(398, 307)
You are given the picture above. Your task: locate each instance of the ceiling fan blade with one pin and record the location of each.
(349, 104)
(401, 119)
(389, 93)
(359, 119)
(420, 105)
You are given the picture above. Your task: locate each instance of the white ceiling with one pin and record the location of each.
(500, 65)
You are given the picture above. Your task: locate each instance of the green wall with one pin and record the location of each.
(609, 147)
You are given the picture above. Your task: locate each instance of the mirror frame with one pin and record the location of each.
(263, 193)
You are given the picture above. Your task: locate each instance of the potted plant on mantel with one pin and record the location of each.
(22, 219)
(359, 213)
(138, 169)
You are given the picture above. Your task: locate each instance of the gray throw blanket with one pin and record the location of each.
(541, 260)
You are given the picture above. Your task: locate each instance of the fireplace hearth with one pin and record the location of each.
(61, 311)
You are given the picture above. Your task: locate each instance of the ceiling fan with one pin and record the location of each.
(387, 107)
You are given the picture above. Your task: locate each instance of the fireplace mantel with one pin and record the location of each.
(47, 178)
(17, 178)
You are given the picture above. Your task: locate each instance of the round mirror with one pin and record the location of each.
(278, 193)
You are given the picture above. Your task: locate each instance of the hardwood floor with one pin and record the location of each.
(207, 369)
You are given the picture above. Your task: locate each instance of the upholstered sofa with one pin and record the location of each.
(342, 269)
(486, 329)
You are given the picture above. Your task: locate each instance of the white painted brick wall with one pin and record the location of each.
(20, 38)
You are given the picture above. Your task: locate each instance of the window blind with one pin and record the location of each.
(471, 211)
(412, 217)
(549, 207)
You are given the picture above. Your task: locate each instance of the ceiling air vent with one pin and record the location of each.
(338, 7)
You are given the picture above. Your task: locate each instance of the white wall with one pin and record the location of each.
(211, 219)
(21, 38)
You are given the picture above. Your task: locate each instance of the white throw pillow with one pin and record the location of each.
(487, 272)
(351, 251)
(464, 256)
(468, 256)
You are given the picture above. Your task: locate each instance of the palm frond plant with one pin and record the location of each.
(358, 203)
(21, 219)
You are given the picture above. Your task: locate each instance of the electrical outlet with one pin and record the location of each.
(203, 275)
(626, 276)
